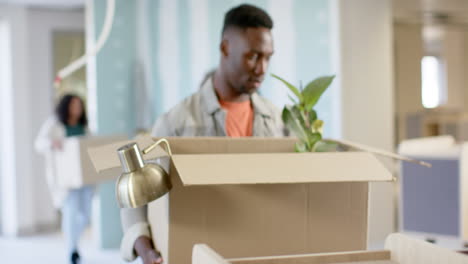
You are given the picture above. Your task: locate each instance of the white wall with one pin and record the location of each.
(15, 148)
(453, 54)
(408, 54)
(5, 81)
(26, 201)
(365, 75)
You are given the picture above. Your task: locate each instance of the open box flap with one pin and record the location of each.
(263, 160)
(275, 168)
(105, 158)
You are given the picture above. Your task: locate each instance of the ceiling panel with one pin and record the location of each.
(419, 11)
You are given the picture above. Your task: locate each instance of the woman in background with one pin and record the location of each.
(75, 204)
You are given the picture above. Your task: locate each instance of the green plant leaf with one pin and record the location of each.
(292, 99)
(300, 147)
(315, 89)
(299, 114)
(312, 116)
(313, 138)
(301, 119)
(293, 123)
(324, 146)
(291, 87)
(317, 126)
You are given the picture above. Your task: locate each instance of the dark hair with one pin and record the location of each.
(63, 107)
(246, 16)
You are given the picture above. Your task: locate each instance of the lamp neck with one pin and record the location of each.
(130, 157)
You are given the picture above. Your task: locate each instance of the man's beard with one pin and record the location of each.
(243, 90)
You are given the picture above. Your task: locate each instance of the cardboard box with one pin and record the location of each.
(254, 196)
(72, 165)
(400, 249)
(434, 203)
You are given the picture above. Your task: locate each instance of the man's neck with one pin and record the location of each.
(225, 91)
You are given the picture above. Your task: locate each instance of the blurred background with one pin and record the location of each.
(401, 68)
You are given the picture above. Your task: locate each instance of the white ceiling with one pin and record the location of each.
(425, 11)
(407, 11)
(47, 3)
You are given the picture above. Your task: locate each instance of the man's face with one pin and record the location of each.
(246, 55)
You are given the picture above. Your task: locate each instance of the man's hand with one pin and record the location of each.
(144, 249)
(152, 257)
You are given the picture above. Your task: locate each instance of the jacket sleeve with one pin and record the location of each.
(163, 127)
(50, 130)
(135, 221)
(134, 224)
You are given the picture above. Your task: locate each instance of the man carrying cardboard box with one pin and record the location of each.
(226, 105)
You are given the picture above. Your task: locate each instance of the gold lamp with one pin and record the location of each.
(140, 183)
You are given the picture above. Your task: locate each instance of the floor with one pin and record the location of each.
(49, 248)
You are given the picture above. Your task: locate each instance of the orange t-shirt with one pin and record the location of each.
(239, 119)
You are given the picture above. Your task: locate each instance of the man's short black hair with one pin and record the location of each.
(247, 16)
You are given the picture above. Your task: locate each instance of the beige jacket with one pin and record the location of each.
(198, 115)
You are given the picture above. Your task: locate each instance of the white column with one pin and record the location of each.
(335, 55)
(365, 75)
(7, 152)
(91, 81)
(16, 147)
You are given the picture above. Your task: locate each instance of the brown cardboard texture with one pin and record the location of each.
(254, 196)
(399, 249)
(72, 163)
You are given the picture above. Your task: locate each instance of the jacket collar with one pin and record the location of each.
(211, 104)
(209, 100)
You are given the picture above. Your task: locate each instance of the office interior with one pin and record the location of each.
(401, 71)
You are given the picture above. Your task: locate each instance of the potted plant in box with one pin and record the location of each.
(302, 119)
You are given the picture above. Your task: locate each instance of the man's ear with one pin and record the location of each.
(224, 47)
